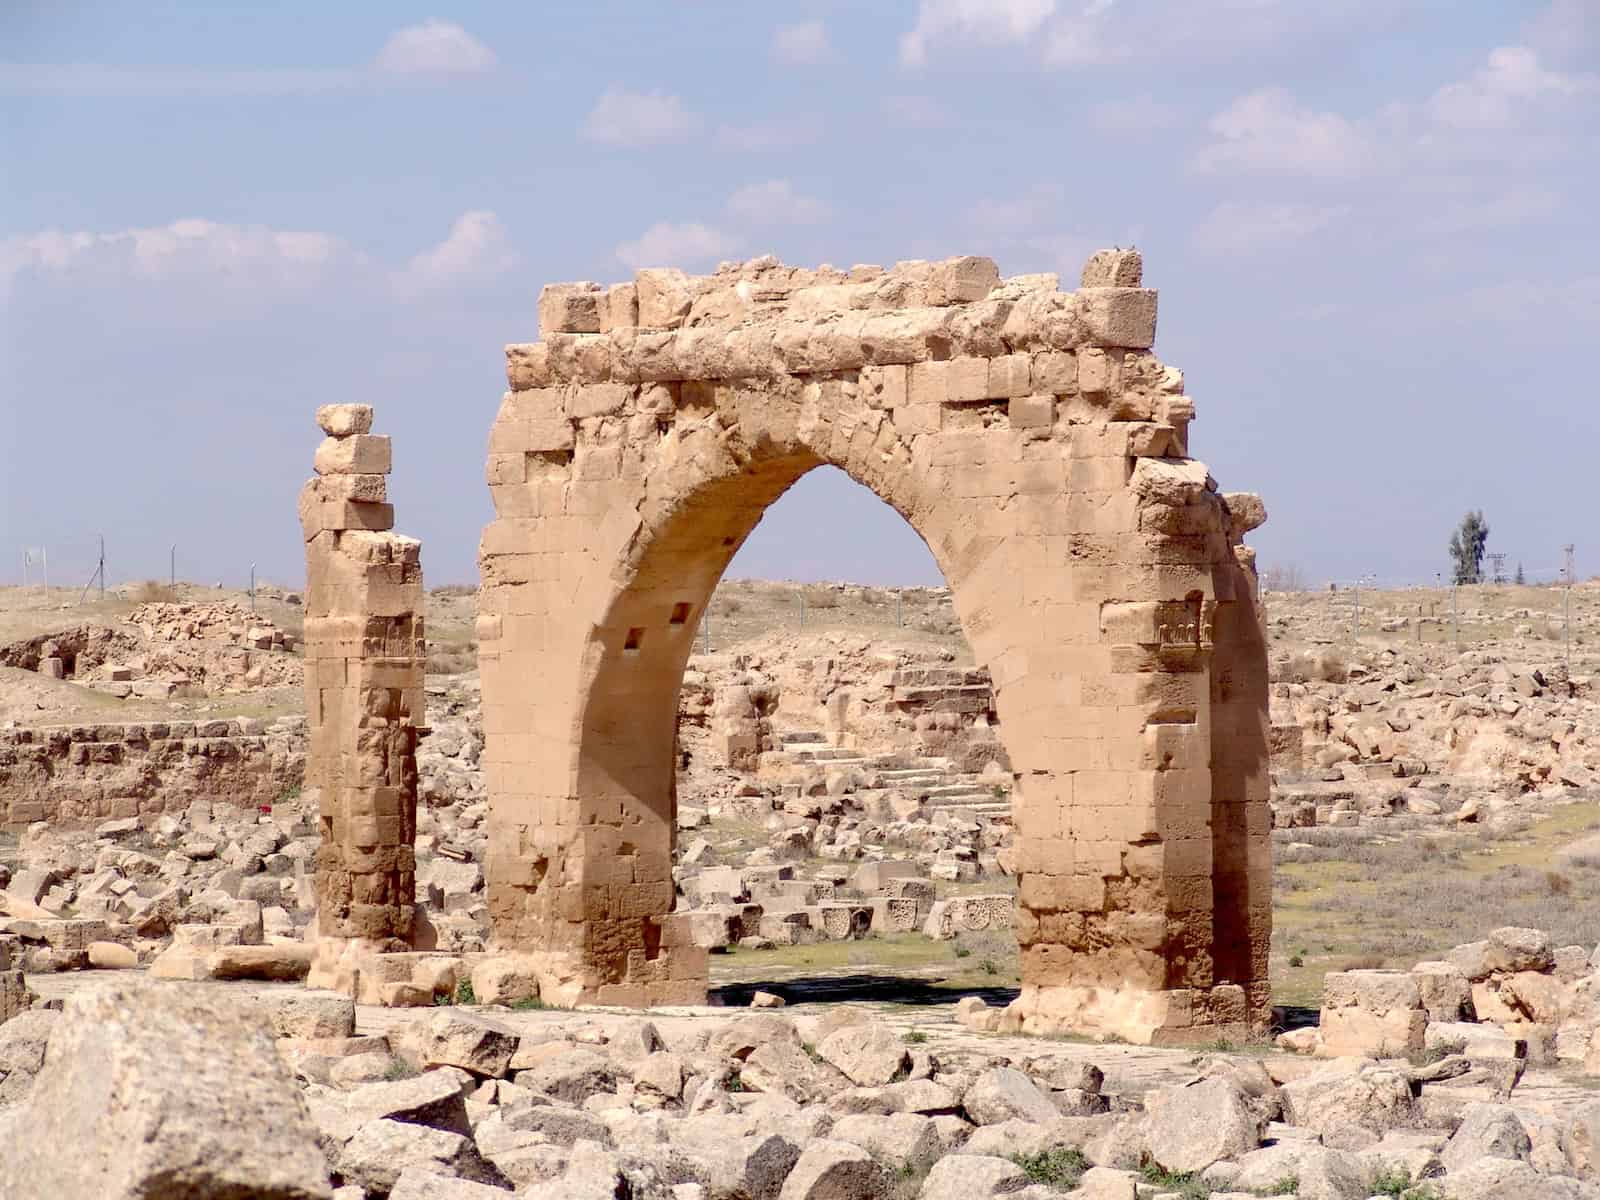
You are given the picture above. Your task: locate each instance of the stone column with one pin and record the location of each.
(364, 673)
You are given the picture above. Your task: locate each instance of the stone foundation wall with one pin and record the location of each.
(81, 774)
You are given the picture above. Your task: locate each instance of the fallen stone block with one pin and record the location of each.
(151, 1087)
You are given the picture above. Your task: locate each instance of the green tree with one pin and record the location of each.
(1466, 547)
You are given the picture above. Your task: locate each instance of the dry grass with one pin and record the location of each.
(1395, 901)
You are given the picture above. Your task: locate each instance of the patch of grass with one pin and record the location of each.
(1184, 1183)
(528, 1004)
(400, 1069)
(914, 1037)
(1397, 1182)
(1411, 892)
(1059, 1167)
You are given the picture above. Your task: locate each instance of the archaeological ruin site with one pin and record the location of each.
(1033, 441)
(1106, 870)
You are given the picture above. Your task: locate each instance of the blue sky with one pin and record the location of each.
(1370, 221)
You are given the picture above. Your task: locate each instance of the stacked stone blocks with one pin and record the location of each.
(1040, 449)
(364, 677)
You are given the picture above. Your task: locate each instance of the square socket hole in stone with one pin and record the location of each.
(630, 645)
(680, 614)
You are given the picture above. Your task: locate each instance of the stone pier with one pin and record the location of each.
(364, 672)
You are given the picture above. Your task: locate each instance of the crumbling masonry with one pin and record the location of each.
(364, 669)
(1039, 449)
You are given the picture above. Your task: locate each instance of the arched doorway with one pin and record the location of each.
(1040, 451)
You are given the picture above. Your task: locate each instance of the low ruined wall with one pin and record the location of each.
(80, 774)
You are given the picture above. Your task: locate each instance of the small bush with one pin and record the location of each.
(1059, 1167)
(915, 1037)
(528, 1004)
(821, 597)
(963, 951)
(400, 1069)
(465, 994)
(1297, 960)
(152, 592)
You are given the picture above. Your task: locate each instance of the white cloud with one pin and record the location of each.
(804, 44)
(624, 118)
(1501, 90)
(1237, 228)
(762, 136)
(1266, 131)
(775, 202)
(230, 255)
(668, 245)
(476, 249)
(434, 48)
(980, 22)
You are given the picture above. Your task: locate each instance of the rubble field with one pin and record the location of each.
(844, 835)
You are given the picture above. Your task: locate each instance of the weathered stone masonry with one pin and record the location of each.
(364, 672)
(1041, 451)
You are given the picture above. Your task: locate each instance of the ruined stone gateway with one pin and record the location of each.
(1036, 445)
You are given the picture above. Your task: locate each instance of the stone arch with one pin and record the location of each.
(1031, 439)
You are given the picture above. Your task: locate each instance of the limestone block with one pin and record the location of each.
(1114, 269)
(358, 454)
(664, 297)
(569, 308)
(619, 307)
(343, 420)
(150, 1086)
(1121, 317)
(962, 280)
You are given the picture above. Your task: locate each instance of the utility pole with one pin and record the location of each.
(1455, 625)
(1566, 605)
(252, 587)
(802, 608)
(172, 569)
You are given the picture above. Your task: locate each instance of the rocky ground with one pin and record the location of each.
(844, 835)
(213, 1090)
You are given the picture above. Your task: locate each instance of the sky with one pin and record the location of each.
(1366, 219)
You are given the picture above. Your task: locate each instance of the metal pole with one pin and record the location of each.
(802, 608)
(252, 587)
(1567, 606)
(172, 569)
(708, 628)
(102, 566)
(1455, 625)
(1358, 612)
(898, 622)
